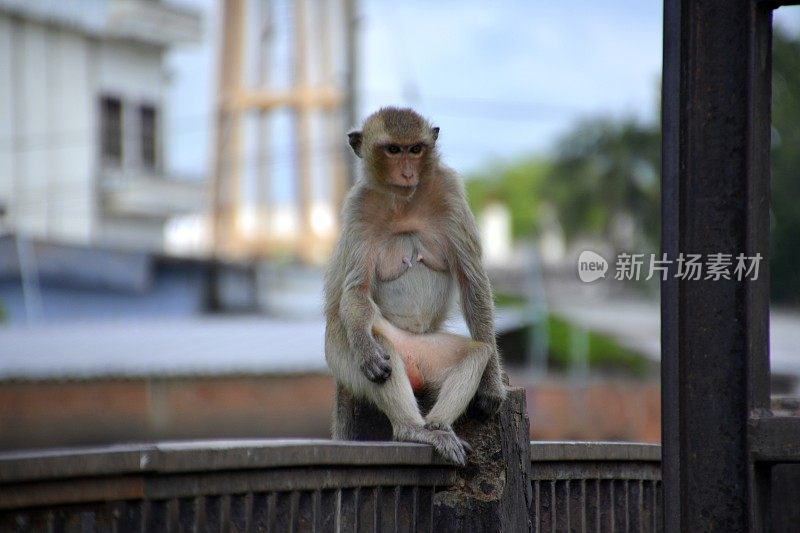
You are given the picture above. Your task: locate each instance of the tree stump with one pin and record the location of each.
(493, 491)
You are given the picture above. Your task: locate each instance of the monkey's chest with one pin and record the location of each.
(414, 284)
(403, 252)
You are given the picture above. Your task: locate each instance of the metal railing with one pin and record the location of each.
(595, 486)
(308, 485)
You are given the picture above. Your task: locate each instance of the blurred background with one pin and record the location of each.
(171, 174)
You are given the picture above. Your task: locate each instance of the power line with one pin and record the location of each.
(459, 107)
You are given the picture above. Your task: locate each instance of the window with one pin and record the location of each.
(148, 135)
(111, 130)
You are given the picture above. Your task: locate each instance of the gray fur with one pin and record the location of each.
(406, 277)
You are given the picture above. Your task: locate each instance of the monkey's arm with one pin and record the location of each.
(477, 305)
(357, 312)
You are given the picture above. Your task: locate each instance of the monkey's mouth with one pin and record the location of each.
(404, 190)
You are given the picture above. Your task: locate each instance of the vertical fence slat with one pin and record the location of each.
(283, 519)
(213, 514)
(536, 507)
(304, 515)
(546, 503)
(559, 505)
(259, 518)
(577, 514)
(386, 509)
(240, 508)
(635, 505)
(405, 509)
(186, 514)
(425, 509)
(367, 509)
(347, 510)
(620, 505)
(328, 503)
(649, 508)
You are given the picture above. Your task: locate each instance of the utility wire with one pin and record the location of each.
(458, 107)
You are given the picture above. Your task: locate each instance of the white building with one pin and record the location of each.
(81, 145)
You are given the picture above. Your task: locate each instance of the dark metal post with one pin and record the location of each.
(715, 199)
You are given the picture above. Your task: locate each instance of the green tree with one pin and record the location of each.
(604, 170)
(606, 167)
(517, 185)
(785, 181)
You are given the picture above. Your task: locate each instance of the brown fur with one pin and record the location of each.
(389, 283)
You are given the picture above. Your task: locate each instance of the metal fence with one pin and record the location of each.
(595, 486)
(308, 485)
(223, 486)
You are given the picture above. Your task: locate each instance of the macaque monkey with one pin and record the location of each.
(408, 240)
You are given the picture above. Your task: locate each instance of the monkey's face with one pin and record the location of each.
(401, 165)
(398, 147)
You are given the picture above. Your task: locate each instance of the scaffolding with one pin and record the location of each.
(320, 98)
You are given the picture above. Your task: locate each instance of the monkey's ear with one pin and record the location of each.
(354, 138)
(435, 132)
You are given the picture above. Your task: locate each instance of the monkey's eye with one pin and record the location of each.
(393, 149)
(416, 149)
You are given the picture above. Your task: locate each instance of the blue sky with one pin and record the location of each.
(501, 79)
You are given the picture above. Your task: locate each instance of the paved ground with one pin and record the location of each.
(636, 323)
(174, 347)
(237, 345)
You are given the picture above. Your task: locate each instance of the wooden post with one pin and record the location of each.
(335, 140)
(313, 52)
(263, 184)
(226, 180)
(493, 491)
(303, 127)
(351, 83)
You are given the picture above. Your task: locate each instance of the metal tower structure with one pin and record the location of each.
(314, 42)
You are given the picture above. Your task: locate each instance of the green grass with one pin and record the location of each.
(605, 353)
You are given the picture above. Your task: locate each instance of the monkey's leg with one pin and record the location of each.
(454, 365)
(491, 391)
(395, 398)
(341, 428)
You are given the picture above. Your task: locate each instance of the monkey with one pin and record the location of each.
(409, 243)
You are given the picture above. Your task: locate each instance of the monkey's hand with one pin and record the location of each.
(376, 364)
(489, 397)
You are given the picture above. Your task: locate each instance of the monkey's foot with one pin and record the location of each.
(445, 442)
(447, 428)
(487, 402)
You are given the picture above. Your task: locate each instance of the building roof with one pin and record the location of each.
(150, 21)
(206, 346)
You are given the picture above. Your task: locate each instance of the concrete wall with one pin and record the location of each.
(107, 410)
(616, 409)
(104, 411)
(47, 162)
(7, 157)
(49, 132)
